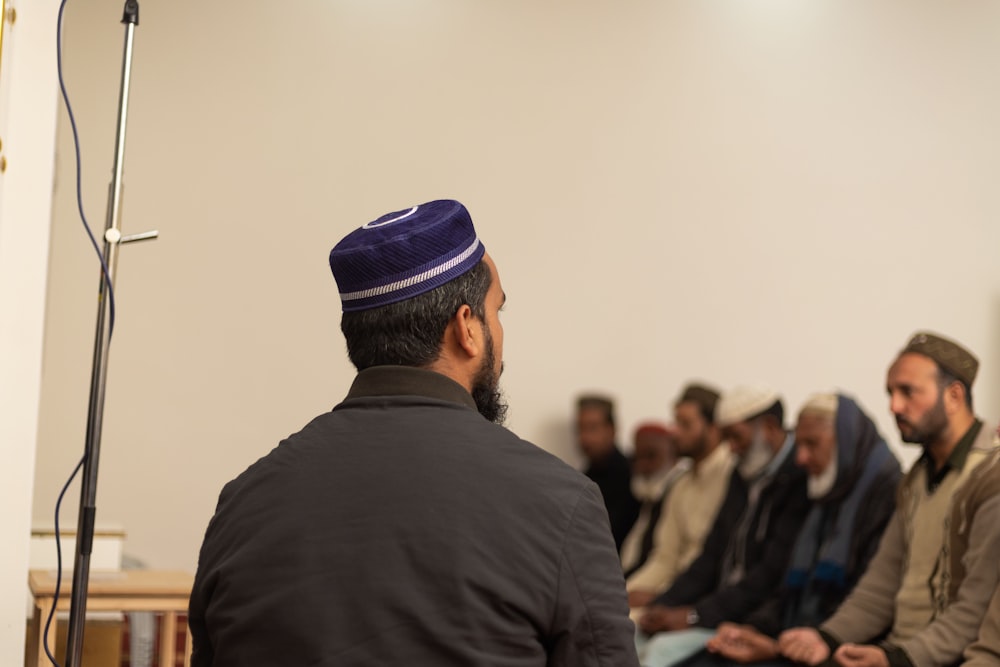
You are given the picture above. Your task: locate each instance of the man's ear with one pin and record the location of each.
(955, 395)
(465, 327)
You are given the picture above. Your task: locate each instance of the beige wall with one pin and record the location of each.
(27, 132)
(772, 191)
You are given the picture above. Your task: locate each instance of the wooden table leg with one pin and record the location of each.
(168, 639)
(43, 607)
(38, 630)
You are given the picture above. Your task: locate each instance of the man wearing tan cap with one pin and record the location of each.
(928, 586)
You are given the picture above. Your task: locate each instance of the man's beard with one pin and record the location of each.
(927, 429)
(486, 386)
(651, 488)
(697, 448)
(756, 458)
(819, 485)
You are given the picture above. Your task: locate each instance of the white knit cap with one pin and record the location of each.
(741, 403)
(820, 404)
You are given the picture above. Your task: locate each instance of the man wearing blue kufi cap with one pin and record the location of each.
(407, 526)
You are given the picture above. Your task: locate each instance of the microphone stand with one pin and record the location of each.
(112, 239)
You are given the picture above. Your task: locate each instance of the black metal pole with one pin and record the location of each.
(98, 379)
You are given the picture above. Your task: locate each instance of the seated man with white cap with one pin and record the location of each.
(751, 541)
(853, 477)
(407, 526)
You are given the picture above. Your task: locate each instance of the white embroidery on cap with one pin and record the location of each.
(371, 225)
(413, 280)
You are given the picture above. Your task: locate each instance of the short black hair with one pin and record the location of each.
(703, 397)
(410, 332)
(946, 377)
(602, 403)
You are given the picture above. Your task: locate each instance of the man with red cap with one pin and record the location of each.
(655, 471)
(406, 526)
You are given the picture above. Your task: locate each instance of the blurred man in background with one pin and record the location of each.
(926, 590)
(606, 465)
(852, 482)
(749, 546)
(695, 499)
(655, 470)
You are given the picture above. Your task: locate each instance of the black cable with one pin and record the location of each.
(55, 599)
(106, 274)
(79, 188)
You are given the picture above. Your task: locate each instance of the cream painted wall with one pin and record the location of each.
(770, 191)
(27, 131)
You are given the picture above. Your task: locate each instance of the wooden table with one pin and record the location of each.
(157, 591)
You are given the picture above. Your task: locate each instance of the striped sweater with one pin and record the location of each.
(930, 582)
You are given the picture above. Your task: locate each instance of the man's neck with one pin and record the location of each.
(445, 365)
(940, 449)
(706, 451)
(605, 457)
(777, 440)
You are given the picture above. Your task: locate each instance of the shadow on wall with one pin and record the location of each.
(556, 435)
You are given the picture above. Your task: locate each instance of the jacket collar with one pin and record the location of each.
(408, 381)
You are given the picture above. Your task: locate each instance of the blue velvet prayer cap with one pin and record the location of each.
(405, 253)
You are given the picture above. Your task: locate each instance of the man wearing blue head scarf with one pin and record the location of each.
(852, 482)
(928, 586)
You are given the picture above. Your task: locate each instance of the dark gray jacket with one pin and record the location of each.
(402, 528)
